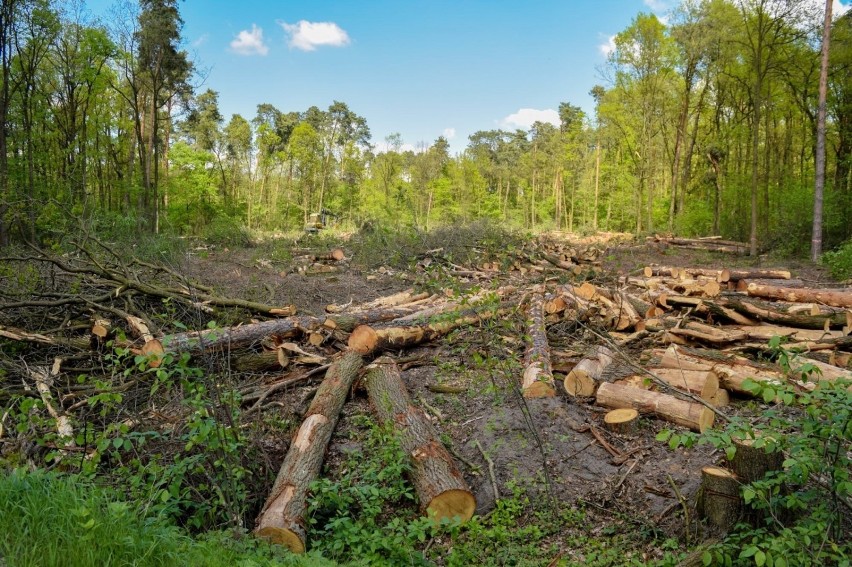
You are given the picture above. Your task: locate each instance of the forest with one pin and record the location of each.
(620, 339)
(697, 123)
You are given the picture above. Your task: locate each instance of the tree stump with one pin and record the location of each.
(719, 502)
(751, 463)
(623, 420)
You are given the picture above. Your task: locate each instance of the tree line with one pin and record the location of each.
(705, 123)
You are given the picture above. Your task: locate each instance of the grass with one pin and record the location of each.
(49, 519)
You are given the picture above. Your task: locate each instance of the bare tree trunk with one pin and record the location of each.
(816, 237)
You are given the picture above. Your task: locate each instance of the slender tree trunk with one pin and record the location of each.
(816, 237)
(597, 185)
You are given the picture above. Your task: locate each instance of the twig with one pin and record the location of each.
(490, 470)
(474, 468)
(435, 411)
(683, 504)
(283, 384)
(624, 476)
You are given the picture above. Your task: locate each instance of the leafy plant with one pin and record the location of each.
(803, 509)
(839, 261)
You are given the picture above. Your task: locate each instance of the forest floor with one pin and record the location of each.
(576, 503)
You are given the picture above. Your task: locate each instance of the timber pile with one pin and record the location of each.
(695, 328)
(711, 243)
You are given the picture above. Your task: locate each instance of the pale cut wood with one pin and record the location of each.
(537, 379)
(763, 274)
(832, 297)
(732, 371)
(721, 398)
(719, 501)
(623, 420)
(692, 415)
(282, 519)
(702, 383)
(441, 488)
(583, 379)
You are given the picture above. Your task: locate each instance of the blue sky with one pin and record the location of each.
(421, 68)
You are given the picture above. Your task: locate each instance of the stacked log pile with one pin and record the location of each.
(695, 327)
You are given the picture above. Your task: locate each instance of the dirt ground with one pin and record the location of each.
(546, 446)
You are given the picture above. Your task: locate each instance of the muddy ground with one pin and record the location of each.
(545, 446)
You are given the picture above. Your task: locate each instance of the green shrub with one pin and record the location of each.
(225, 231)
(839, 261)
(802, 510)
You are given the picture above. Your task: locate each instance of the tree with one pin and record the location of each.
(816, 238)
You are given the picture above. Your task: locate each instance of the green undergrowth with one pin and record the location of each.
(49, 519)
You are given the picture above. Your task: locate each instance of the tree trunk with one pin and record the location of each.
(719, 501)
(583, 379)
(691, 415)
(367, 340)
(819, 185)
(441, 489)
(831, 297)
(282, 518)
(537, 381)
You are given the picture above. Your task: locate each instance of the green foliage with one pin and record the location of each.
(361, 515)
(48, 519)
(839, 261)
(226, 231)
(695, 220)
(805, 502)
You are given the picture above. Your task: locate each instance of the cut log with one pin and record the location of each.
(721, 398)
(261, 361)
(582, 381)
(702, 383)
(766, 274)
(805, 316)
(43, 377)
(401, 298)
(537, 380)
(151, 347)
(694, 416)
(720, 276)
(440, 486)
(282, 519)
(719, 501)
(751, 463)
(366, 340)
(732, 371)
(833, 297)
(624, 420)
(242, 335)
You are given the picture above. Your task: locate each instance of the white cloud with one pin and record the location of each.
(838, 9)
(658, 5)
(201, 40)
(449, 133)
(307, 36)
(250, 42)
(525, 117)
(608, 46)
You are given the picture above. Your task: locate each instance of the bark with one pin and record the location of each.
(719, 501)
(755, 273)
(694, 416)
(719, 275)
(584, 378)
(441, 488)
(805, 316)
(367, 340)
(282, 519)
(751, 463)
(732, 371)
(831, 297)
(262, 361)
(537, 380)
(242, 335)
(702, 383)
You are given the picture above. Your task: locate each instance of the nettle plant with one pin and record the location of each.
(803, 511)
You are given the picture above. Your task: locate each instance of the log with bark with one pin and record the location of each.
(702, 383)
(441, 489)
(810, 316)
(689, 414)
(367, 340)
(733, 371)
(282, 519)
(583, 380)
(841, 297)
(537, 379)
